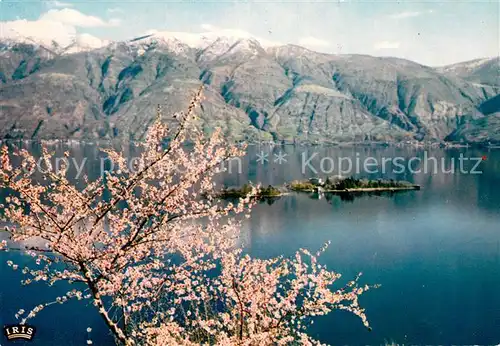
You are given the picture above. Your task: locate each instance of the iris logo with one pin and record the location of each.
(20, 331)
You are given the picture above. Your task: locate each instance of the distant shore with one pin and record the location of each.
(346, 144)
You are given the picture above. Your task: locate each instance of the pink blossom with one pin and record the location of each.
(123, 248)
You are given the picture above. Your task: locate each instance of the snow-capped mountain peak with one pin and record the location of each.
(204, 39)
(231, 45)
(84, 43)
(467, 65)
(152, 41)
(73, 43)
(210, 44)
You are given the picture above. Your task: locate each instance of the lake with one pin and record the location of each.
(435, 252)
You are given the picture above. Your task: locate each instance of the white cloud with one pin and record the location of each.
(311, 41)
(89, 41)
(208, 27)
(58, 4)
(114, 22)
(42, 31)
(58, 26)
(46, 32)
(75, 18)
(114, 10)
(403, 15)
(386, 45)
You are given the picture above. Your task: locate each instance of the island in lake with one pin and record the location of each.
(333, 185)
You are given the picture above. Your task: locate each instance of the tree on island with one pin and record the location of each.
(162, 264)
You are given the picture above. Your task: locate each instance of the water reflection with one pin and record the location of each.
(436, 252)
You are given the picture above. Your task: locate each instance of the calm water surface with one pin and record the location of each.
(436, 252)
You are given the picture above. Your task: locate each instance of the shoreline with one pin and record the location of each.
(373, 144)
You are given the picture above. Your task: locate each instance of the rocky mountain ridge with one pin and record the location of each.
(285, 93)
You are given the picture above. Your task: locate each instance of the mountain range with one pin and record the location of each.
(252, 90)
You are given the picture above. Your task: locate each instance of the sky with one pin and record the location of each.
(433, 33)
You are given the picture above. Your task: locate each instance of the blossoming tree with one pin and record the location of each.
(156, 255)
